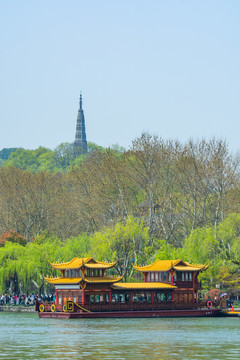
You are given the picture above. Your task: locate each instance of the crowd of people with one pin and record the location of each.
(6, 299)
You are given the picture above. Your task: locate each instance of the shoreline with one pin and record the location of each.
(17, 308)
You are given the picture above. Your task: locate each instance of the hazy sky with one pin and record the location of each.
(171, 68)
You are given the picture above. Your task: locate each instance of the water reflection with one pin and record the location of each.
(25, 336)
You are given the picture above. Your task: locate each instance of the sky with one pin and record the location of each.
(167, 67)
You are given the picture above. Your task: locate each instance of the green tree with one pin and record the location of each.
(125, 242)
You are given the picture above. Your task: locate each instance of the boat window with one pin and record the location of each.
(121, 298)
(127, 297)
(148, 277)
(175, 276)
(182, 276)
(142, 297)
(186, 276)
(97, 298)
(160, 276)
(107, 298)
(101, 297)
(156, 276)
(164, 276)
(59, 299)
(75, 298)
(159, 297)
(92, 299)
(135, 296)
(152, 276)
(115, 298)
(69, 273)
(190, 276)
(149, 296)
(169, 296)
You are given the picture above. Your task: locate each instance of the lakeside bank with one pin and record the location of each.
(14, 308)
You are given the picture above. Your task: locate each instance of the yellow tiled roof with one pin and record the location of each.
(159, 265)
(198, 266)
(96, 279)
(102, 279)
(63, 280)
(190, 268)
(143, 286)
(100, 265)
(166, 265)
(77, 263)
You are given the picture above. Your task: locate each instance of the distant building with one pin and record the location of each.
(80, 143)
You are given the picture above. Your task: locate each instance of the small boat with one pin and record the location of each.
(232, 313)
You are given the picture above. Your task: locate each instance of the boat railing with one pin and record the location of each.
(120, 306)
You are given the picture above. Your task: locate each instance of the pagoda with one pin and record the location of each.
(80, 143)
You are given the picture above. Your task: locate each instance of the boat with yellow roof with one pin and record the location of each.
(86, 290)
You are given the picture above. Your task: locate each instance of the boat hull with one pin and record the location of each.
(132, 314)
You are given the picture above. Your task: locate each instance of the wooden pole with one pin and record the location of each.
(193, 276)
(145, 277)
(83, 296)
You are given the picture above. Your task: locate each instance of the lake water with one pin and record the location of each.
(25, 336)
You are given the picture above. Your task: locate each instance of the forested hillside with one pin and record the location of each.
(183, 194)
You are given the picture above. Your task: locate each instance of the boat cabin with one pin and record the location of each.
(178, 273)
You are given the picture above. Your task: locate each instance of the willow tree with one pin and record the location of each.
(126, 242)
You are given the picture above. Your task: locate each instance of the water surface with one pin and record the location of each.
(25, 336)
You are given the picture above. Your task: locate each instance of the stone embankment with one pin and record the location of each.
(9, 308)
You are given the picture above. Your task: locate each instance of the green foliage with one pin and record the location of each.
(43, 159)
(5, 153)
(201, 245)
(125, 242)
(167, 251)
(27, 159)
(92, 147)
(23, 266)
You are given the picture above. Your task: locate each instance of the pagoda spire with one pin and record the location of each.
(80, 101)
(80, 143)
